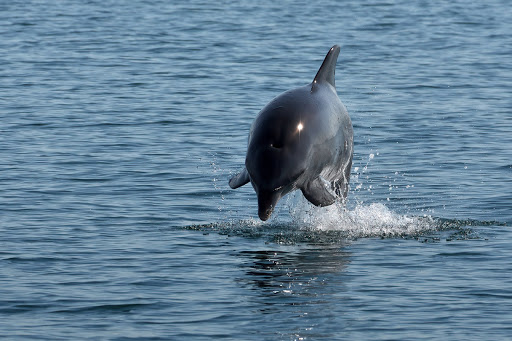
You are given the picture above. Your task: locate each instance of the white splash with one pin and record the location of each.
(361, 221)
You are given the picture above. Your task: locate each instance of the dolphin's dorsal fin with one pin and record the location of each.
(328, 68)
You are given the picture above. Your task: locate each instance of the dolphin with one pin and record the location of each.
(303, 139)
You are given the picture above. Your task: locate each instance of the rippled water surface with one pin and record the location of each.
(121, 122)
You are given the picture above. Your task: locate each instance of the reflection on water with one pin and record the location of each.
(295, 271)
(309, 280)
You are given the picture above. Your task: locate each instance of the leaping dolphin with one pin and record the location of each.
(303, 139)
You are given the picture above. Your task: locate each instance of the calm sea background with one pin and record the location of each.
(121, 122)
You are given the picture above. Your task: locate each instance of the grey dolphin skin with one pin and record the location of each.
(302, 139)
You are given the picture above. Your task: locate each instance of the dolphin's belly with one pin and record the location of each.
(337, 150)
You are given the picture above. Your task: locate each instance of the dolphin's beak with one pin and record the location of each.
(266, 203)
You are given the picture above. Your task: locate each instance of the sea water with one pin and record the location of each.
(122, 121)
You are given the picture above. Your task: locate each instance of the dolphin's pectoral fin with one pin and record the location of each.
(240, 179)
(319, 192)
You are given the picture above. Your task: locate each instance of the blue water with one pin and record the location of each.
(121, 122)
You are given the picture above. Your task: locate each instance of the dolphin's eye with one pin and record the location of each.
(276, 145)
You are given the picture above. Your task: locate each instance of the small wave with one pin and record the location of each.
(107, 308)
